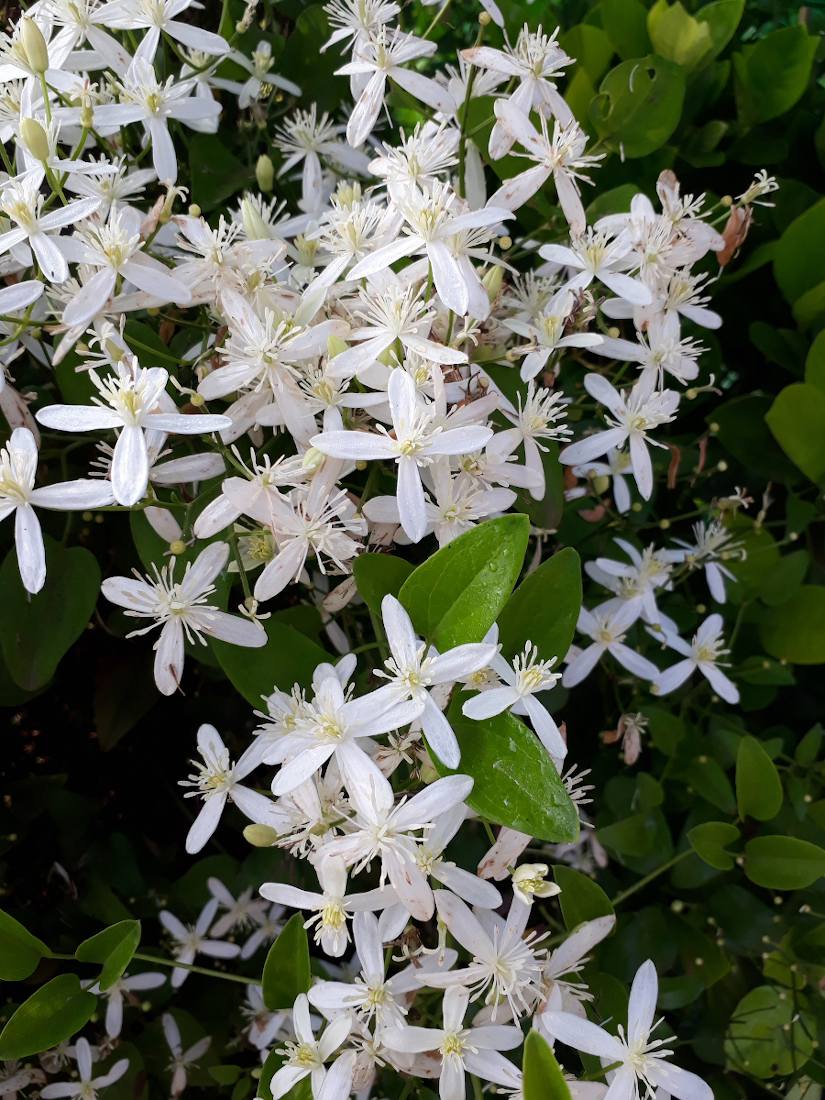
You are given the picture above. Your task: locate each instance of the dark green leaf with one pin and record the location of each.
(53, 1014)
(286, 970)
(36, 631)
(795, 630)
(772, 74)
(543, 1078)
(710, 840)
(639, 105)
(114, 947)
(289, 657)
(758, 786)
(515, 782)
(379, 575)
(784, 862)
(581, 898)
(457, 594)
(20, 951)
(556, 588)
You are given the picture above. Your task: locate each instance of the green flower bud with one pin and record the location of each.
(34, 138)
(34, 45)
(265, 173)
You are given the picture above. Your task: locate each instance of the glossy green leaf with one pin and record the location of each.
(286, 970)
(36, 631)
(515, 783)
(721, 18)
(114, 947)
(797, 420)
(677, 35)
(581, 898)
(289, 657)
(54, 1013)
(20, 951)
(457, 594)
(784, 862)
(543, 1078)
(768, 1035)
(639, 105)
(710, 841)
(815, 362)
(795, 266)
(625, 22)
(758, 786)
(772, 74)
(556, 588)
(795, 630)
(379, 575)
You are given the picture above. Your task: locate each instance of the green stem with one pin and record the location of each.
(640, 885)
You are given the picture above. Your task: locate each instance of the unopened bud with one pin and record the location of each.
(87, 116)
(260, 836)
(265, 172)
(194, 210)
(34, 138)
(313, 459)
(197, 399)
(726, 200)
(485, 19)
(492, 281)
(254, 226)
(34, 45)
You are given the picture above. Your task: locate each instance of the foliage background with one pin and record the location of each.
(93, 820)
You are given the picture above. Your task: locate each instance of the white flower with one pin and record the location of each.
(712, 544)
(305, 137)
(526, 675)
(191, 940)
(462, 1049)
(120, 991)
(333, 907)
(633, 415)
(266, 931)
(606, 626)
(133, 400)
(239, 913)
(182, 611)
(618, 465)
(380, 829)
(505, 964)
(540, 415)
(636, 582)
(595, 256)
(414, 667)
(87, 1087)
(380, 58)
(642, 1061)
(530, 881)
(660, 350)
(564, 963)
(217, 780)
(18, 495)
(258, 65)
(182, 1060)
(704, 653)
(306, 1057)
(418, 435)
(547, 332)
(22, 203)
(562, 156)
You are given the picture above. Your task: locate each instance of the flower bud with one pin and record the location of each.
(254, 226)
(492, 280)
(194, 211)
(265, 172)
(260, 836)
(313, 459)
(34, 45)
(34, 138)
(484, 18)
(601, 483)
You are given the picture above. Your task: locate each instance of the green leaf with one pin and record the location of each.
(289, 657)
(286, 970)
(677, 35)
(591, 48)
(768, 1035)
(581, 898)
(52, 1014)
(722, 18)
(20, 951)
(815, 363)
(639, 105)
(543, 1078)
(772, 74)
(797, 420)
(758, 786)
(710, 840)
(114, 947)
(457, 594)
(783, 862)
(379, 575)
(556, 588)
(785, 578)
(216, 172)
(796, 266)
(626, 24)
(515, 782)
(36, 631)
(795, 630)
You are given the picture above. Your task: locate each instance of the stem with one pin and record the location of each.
(625, 894)
(158, 960)
(437, 19)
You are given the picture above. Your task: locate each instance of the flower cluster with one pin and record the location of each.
(382, 365)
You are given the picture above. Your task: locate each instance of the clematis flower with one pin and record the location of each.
(606, 626)
(414, 667)
(417, 436)
(640, 1062)
(18, 495)
(132, 400)
(181, 610)
(307, 1057)
(192, 940)
(633, 415)
(463, 1049)
(87, 1087)
(121, 991)
(594, 255)
(182, 1060)
(547, 332)
(704, 653)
